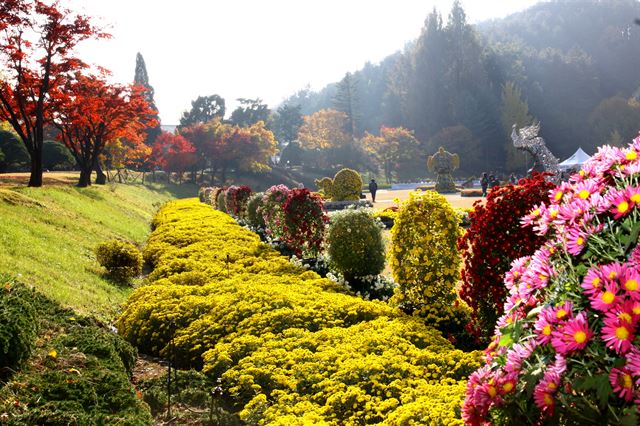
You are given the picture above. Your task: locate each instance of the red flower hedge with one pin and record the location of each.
(494, 239)
(305, 219)
(236, 199)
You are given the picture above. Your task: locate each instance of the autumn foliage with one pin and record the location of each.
(391, 148)
(37, 42)
(173, 153)
(92, 113)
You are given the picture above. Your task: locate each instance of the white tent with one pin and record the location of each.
(575, 161)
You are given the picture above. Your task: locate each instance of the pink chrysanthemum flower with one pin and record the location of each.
(574, 211)
(543, 394)
(630, 155)
(583, 190)
(510, 317)
(605, 299)
(507, 383)
(630, 282)
(634, 257)
(544, 328)
(618, 335)
(562, 312)
(633, 193)
(518, 267)
(627, 312)
(573, 335)
(576, 240)
(556, 194)
(622, 383)
(612, 271)
(593, 282)
(534, 216)
(619, 203)
(517, 354)
(633, 362)
(603, 160)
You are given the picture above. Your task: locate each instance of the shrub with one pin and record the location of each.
(272, 210)
(204, 194)
(255, 219)
(221, 201)
(425, 259)
(213, 197)
(566, 348)
(18, 325)
(494, 240)
(122, 260)
(347, 186)
(304, 222)
(355, 243)
(236, 198)
(275, 332)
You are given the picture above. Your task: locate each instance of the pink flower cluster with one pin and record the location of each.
(574, 303)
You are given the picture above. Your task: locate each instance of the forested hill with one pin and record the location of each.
(572, 65)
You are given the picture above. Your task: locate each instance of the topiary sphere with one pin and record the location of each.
(347, 186)
(121, 259)
(221, 203)
(356, 247)
(255, 219)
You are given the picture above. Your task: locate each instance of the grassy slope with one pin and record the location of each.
(48, 234)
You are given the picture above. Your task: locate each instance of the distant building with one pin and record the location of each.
(169, 128)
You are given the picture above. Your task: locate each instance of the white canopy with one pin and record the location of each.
(575, 161)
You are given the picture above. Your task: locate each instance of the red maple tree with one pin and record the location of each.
(90, 113)
(37, 41)
(173, 153)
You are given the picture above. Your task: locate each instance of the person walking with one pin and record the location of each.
(484, 183)
(513, 179)
(493, 181)
(373, 187)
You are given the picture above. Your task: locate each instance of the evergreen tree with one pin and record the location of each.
(203, 110)
(514, 110)
(141, 77)
(286, 123)
(347, 101)
(250, 112)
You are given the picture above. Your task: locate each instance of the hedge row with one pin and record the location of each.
(289, 346)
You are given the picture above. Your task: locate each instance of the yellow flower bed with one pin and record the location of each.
(290, 347)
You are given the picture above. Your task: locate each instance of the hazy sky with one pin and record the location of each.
(256, 48)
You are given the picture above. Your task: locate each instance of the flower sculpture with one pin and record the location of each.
(565, 348)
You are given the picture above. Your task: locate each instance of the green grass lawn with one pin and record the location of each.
(47, 235)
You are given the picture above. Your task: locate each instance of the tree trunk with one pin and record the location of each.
(101, 178)
(85, 178)
(35, 180)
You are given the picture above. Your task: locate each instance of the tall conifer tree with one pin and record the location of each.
(142, 78)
